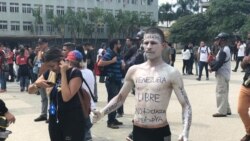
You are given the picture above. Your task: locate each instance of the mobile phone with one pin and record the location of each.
(50, 83)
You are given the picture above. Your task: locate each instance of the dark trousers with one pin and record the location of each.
(239, 59)
(113, 88)
(3, 77)
(190, 65)
(185, 66)
(11, 72)
(201, 66)
(70, 126)
(151, 134)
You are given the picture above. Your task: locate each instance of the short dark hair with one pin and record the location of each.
(112, 43)
(87, 44)
(69, 45)
(155, 30)
(42, 41)
(53, 54)
(129, 38)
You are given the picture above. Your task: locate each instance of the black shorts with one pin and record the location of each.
(151, 134)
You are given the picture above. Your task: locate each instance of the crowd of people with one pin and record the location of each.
(65, 77)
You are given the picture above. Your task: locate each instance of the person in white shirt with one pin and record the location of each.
(203, 53)
(241, 53)
(185, 56)
(88, 75)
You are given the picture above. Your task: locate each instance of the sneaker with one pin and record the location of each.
(40, 118)
(198, 79)
(112, 126)
(219, 115)
(116, 122)
(130, 137)
(246, 138)
(234, 70)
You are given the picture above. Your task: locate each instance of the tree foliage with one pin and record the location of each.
(231, 16)
(190, 28)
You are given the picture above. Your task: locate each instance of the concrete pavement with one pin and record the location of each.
(201, 95)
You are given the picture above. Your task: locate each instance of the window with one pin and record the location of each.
(3, 25)
(15, 26)
(89, 10)
(50, 28)
(26, 8)
(49, 8)
(117, 12)
(100, 28)
(109, 11)
(125, 1)
(38, 7)
(72, 8)
(39, 28)
(134, 1)
(2, 6)
(81, 9)
(27, 26)
(60, 10)
(14, 7)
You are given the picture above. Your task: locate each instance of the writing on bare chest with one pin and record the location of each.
(149, 79)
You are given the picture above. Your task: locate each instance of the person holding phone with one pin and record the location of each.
(66, 119)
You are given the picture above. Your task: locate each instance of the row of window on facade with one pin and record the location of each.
(27, 26)
(26, 8)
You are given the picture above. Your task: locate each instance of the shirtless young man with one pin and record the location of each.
(154, 81)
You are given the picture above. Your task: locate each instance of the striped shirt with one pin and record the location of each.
(113, 70)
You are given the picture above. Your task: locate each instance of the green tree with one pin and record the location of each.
(38, 20)
(190, 28)
(166, 13)
(227, 15)
(96, 19)
(186, 7)
(112, 25)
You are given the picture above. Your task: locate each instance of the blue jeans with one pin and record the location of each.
(113, 88)
(24, 82)
(201, 66)
(3, 78)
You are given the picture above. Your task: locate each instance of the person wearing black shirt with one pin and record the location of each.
(66, 117)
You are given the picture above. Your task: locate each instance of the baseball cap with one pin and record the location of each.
(74, 56)
(222, 35)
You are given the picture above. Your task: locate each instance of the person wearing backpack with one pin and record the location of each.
(67, 118)
(202, 55)
(222, 67)
(113, 83)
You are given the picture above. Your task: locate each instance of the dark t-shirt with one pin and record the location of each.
(3, 108)
(31, 59)
(56, 95)
(92, 58)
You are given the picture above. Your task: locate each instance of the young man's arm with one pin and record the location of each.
(186, 107)
(118, 100)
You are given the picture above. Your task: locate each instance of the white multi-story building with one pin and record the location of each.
(17, 20)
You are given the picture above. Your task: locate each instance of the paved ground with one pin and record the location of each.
(202, 98)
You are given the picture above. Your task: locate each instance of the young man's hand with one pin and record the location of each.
(10, 118)
(182, 138)
(95, 116)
